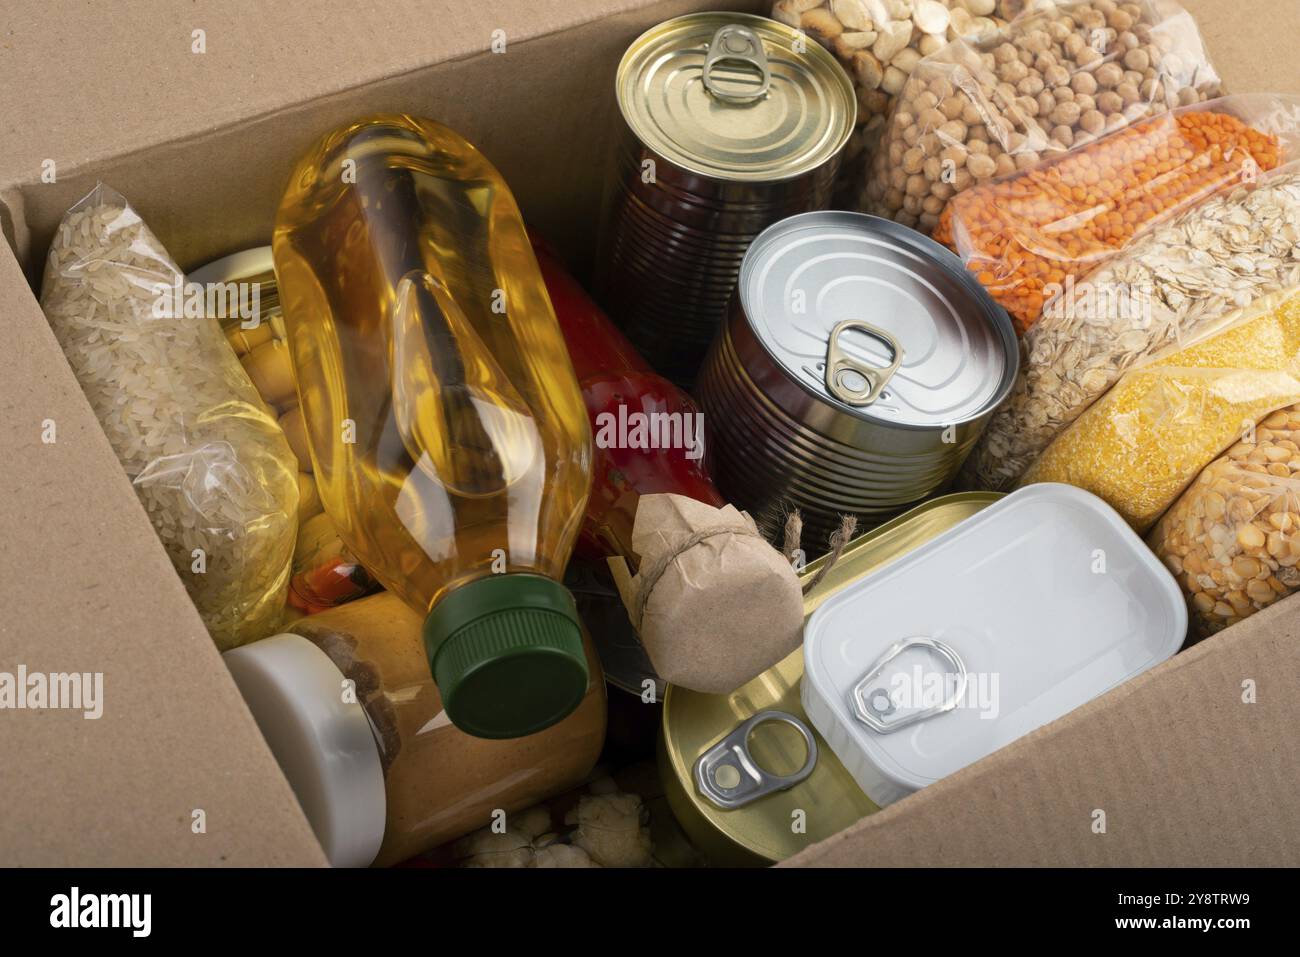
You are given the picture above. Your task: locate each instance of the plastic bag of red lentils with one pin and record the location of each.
(1031, 237)
(1165, 291)
(1057, 77)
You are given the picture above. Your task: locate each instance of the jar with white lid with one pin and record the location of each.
(347, 705)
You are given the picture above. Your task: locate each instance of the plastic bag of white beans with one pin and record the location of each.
(879, 43)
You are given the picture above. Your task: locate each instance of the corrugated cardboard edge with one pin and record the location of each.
(258, 60)
(1185, 768)
(85, 586)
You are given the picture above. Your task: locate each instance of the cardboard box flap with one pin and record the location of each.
(1191, 764)
(173, 771)
(80, 83)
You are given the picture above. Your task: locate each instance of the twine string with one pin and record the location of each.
(650, 575)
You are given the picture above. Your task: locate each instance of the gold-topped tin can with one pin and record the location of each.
(251, 268)
(780, 825)
(731, 122)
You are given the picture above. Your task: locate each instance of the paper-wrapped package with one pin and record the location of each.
(714, 603)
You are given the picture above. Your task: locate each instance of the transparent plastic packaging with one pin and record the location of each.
(325, 574)
(262, 348)
(1163, 290)
(1145, 441)
(1028, 236)
(1233, 538)
(879, 43)
(207, 459)
(1056, 78)
(447, 432)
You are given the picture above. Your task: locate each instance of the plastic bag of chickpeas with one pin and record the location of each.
(1058, 76)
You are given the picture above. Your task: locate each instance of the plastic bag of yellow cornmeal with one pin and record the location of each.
(1164, 421)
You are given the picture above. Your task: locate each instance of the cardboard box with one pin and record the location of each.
(201, 142)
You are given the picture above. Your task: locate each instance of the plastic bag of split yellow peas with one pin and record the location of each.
(1145, 441)
(1233, 538)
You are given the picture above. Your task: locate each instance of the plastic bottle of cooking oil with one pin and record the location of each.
(447, 431)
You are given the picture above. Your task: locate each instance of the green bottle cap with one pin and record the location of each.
(506, 653)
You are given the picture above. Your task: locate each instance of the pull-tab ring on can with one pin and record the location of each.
(856, 383)
(729, 776)
(736, 44)
(862, 699)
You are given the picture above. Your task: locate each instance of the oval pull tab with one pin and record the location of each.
(729, 777)
(856, 383)
(736, 44)
(871, 702)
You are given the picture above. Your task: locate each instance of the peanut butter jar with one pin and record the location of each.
(347, 705)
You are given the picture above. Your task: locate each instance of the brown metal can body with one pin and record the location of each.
(777, 441)
(704, 176)
(670, 254)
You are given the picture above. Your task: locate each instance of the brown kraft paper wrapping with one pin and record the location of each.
(726, 605)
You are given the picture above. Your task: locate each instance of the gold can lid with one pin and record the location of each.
(255, 268)
(248, 265)
(736, 97)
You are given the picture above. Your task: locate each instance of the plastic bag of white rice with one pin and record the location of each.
(207, 457)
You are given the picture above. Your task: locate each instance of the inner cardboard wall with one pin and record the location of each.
(543, 113)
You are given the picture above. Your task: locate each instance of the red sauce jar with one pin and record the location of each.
(648, 434)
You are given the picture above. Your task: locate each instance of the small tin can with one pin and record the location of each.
(858, 366)
(829, 799)
(255, 330)
(1021, 614)
(730, 123)
(248, 268)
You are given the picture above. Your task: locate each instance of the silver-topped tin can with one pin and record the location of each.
(857, 367)
(731, 122)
